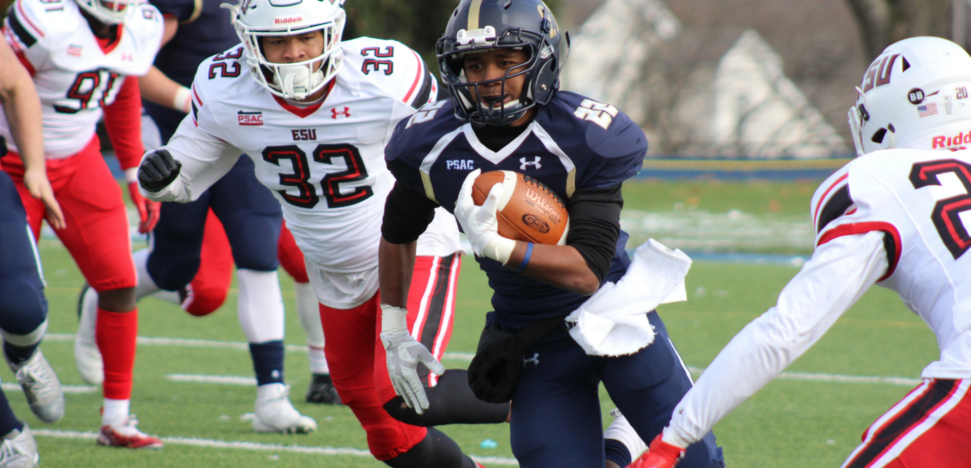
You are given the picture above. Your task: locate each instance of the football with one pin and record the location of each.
(528, 210)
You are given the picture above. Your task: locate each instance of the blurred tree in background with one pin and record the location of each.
(883, 22)
(418, 24)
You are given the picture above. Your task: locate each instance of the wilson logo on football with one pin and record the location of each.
(249, 118)
(540, 202)
(288, 19)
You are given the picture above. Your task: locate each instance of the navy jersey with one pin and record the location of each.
(573, 143)
(204, 30)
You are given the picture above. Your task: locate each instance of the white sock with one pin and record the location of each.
(621, 431)
(309, 310)
(145, 284)
(318, 361)
(260, 308)
(115, 412)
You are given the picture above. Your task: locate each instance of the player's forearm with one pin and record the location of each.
(832, 281)
(22, 107)
(396, 262)
(557, 265)
(161, 90)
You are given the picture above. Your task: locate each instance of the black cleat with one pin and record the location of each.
(322, 391)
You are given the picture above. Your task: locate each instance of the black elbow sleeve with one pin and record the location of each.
(407, 214)
(595, 226)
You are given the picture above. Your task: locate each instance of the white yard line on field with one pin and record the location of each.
(12, 387)
(243, 445)
(193, 343)
(813, 377)
(216, 379)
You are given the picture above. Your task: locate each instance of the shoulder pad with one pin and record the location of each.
(32, 20)
(392, 67)
(832, 198)
(415, 137)
(615, 143)
(212, 80)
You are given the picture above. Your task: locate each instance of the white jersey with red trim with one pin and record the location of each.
(898, 218)
(324, 162)
(73, 75)
(921, 200)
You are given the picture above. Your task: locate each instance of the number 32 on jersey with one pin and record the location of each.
(330, 184)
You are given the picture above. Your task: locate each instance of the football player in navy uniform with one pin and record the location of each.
(501, 60)
(194, 31)
(23, 308)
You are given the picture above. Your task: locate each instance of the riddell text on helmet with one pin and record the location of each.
(942, 141)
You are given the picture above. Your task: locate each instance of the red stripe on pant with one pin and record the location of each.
(930, 431)
(356, 357)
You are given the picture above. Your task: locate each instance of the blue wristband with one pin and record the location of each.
(529, 253)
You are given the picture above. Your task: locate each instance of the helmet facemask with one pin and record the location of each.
(464, 94)
(296, 80)
(109, 11)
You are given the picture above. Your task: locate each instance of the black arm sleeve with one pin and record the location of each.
(595, 225)
(407, 213)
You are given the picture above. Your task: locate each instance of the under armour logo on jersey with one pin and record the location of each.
(534, 360)
(127, 57)
(346, 112)
(535, 163)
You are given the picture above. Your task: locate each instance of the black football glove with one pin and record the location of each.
(158, 170)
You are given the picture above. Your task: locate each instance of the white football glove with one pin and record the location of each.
(479, 222)
(404, 354)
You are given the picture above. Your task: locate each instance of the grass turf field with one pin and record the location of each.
(791, 423)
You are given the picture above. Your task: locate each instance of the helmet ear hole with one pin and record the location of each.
(878, 136)
(906, 64)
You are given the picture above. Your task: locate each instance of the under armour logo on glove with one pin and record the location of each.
(534, 360)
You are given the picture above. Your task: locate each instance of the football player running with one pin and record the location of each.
(501, 61)
(23, 310)
(891, 217)
(315, 114)
(194, 32)
(84, 56)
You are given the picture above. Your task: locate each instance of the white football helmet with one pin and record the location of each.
(254, 19)
(914, 95)
(110, 11)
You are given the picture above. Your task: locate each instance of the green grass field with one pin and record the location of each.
(791, 423)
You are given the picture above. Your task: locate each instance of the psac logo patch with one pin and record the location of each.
(944, 141)
(249, 119)
(459, 164)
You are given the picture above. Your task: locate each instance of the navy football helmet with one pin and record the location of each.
(480, 25)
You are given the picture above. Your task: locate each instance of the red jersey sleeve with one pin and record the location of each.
(123, 119)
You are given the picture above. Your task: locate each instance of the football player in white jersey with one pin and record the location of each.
(896, 216)
(315, 114)
(84, 56)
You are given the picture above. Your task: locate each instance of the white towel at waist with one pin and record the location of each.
(613, 322)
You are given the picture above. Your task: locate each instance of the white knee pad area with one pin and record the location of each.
(260, 308)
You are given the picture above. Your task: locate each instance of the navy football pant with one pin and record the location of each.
(556, 420)
(248, 212)
(23, 307)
